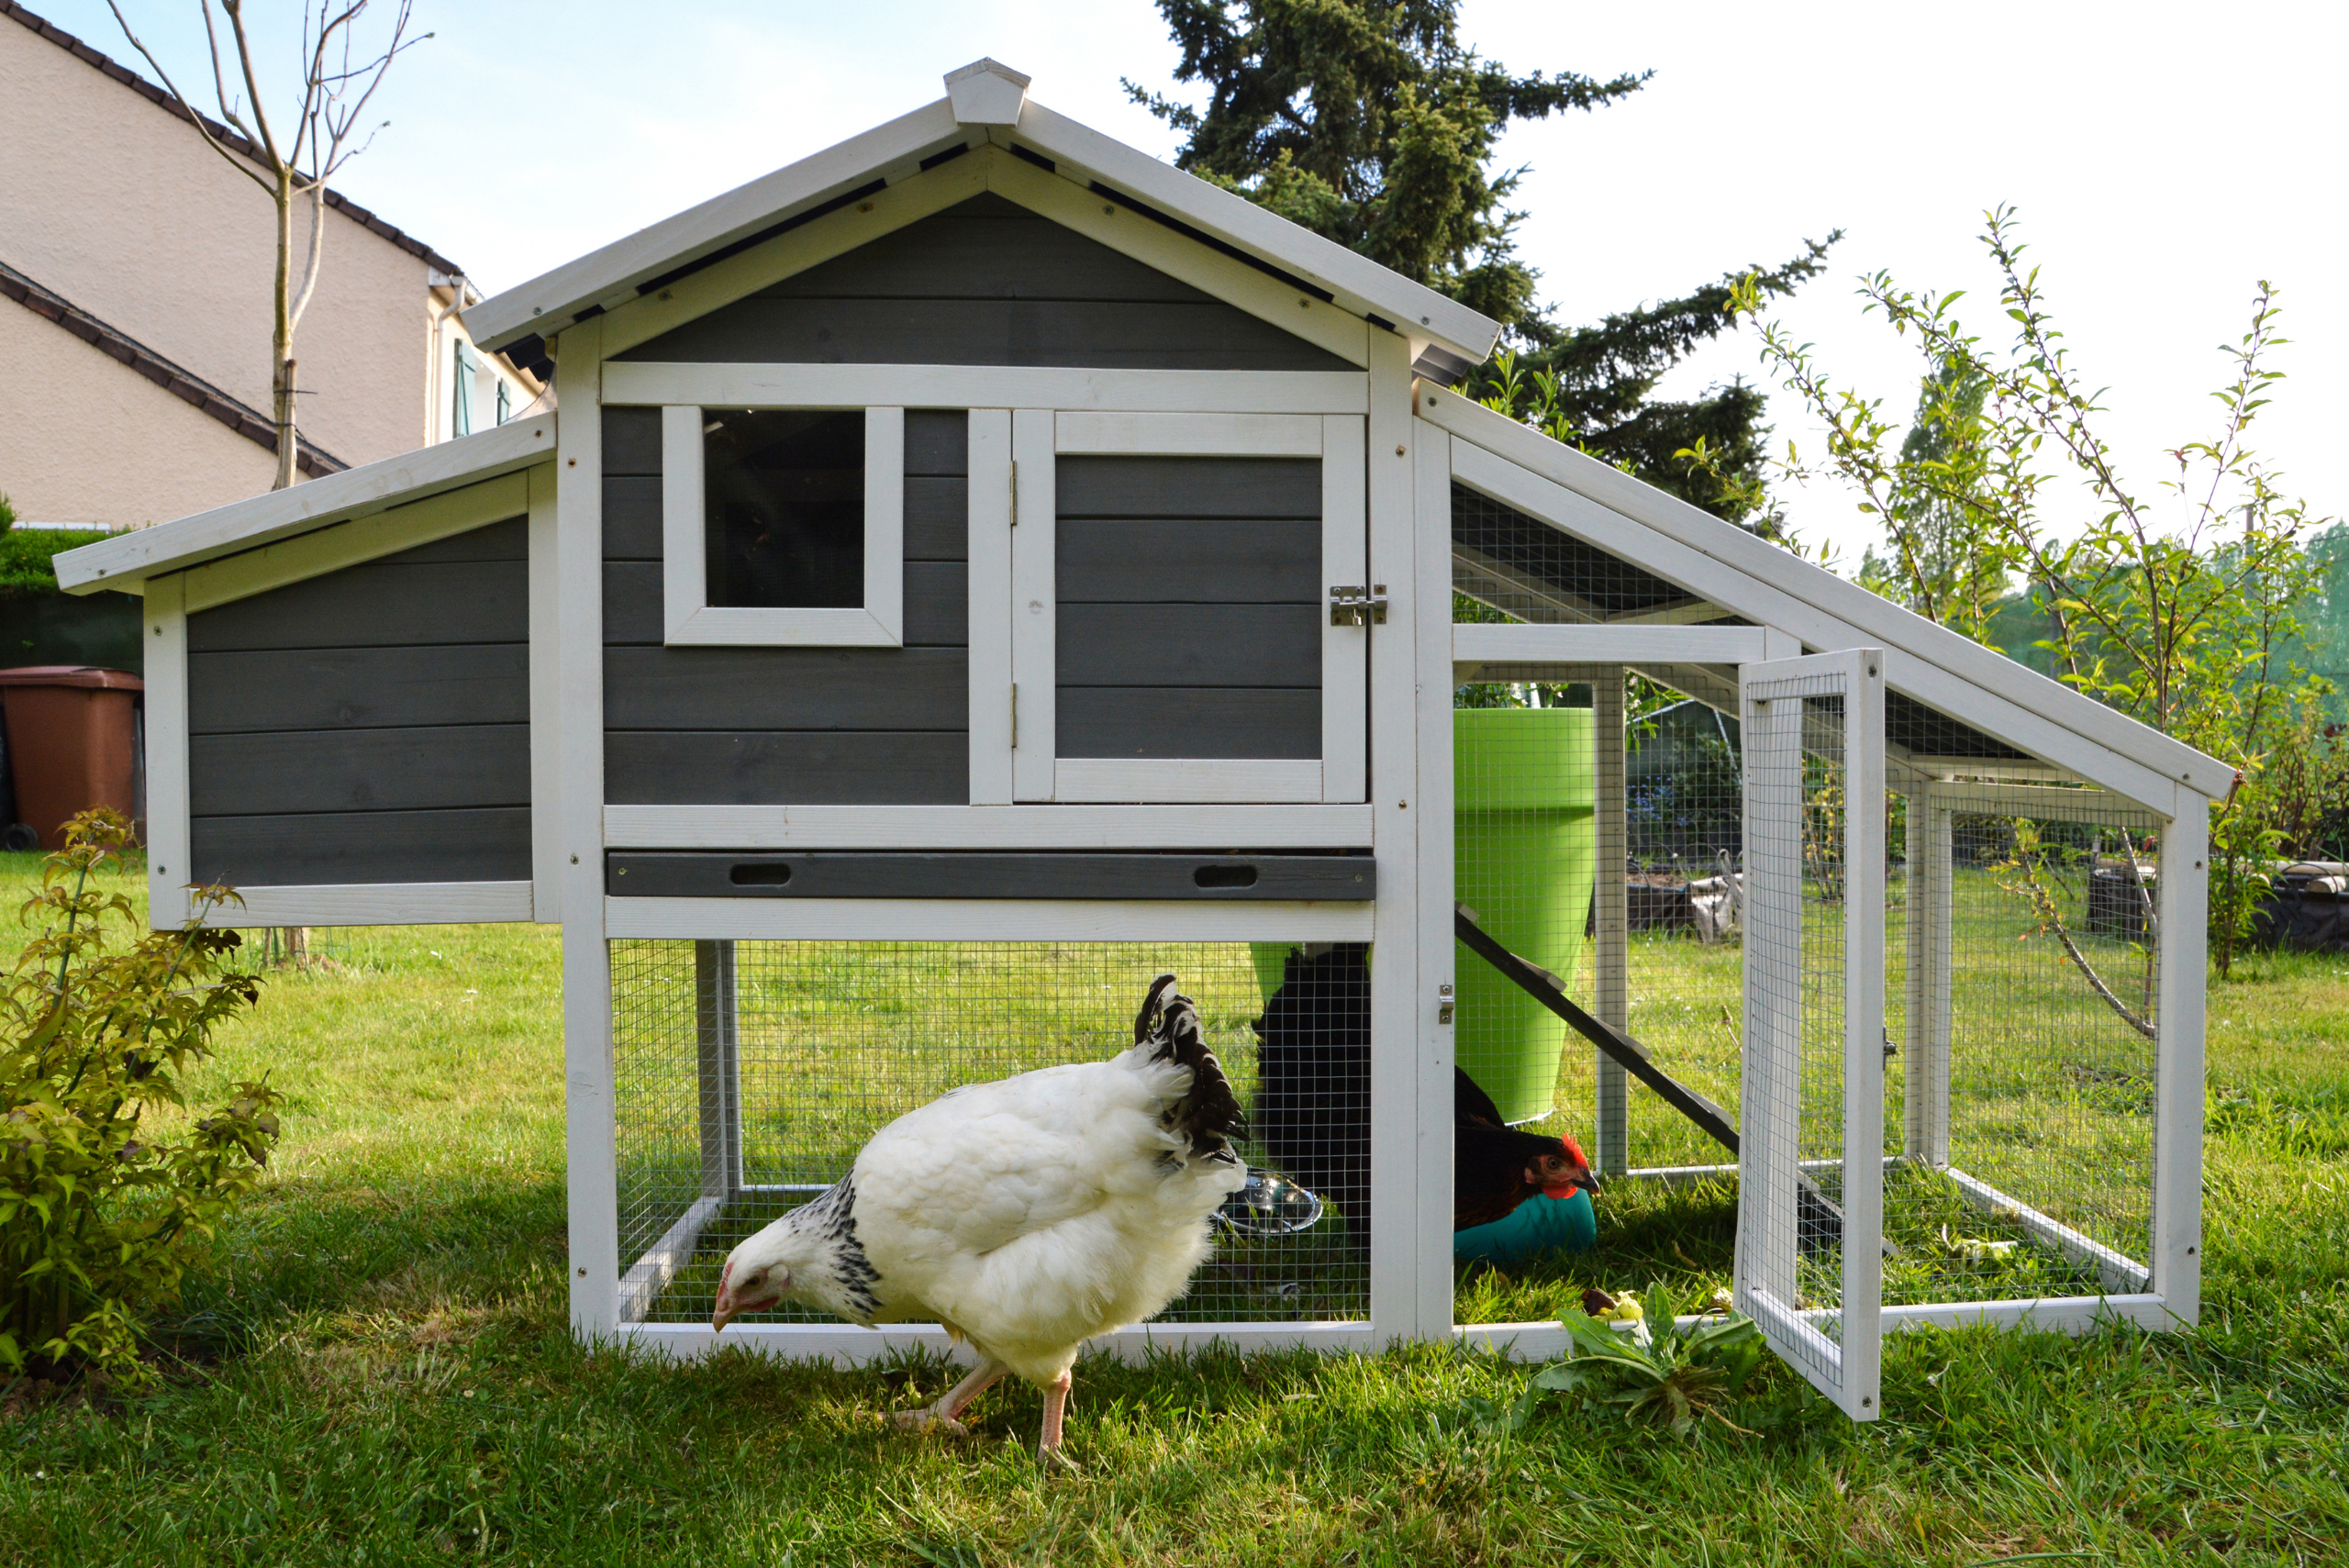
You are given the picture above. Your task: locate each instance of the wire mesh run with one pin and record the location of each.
(749, 1075)
(2023, 972)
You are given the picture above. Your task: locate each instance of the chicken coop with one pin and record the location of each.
(980, 567)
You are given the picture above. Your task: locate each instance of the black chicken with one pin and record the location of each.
(1312, 1110)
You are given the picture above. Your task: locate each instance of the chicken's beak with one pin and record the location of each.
(726, 1307)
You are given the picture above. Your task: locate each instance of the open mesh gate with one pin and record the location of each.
(2018, 1029)
(748, 1075)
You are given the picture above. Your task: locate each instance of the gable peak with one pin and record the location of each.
(986, 91)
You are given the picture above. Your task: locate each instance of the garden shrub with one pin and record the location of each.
(108, 1182)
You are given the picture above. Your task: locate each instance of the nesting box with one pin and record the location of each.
(978, 567)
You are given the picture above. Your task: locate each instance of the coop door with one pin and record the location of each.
(1810, 1169)
(1188, 617)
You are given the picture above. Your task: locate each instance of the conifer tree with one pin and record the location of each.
(1369, 122)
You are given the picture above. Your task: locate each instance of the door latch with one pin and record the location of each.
(1352, 605)
(1444, 1004)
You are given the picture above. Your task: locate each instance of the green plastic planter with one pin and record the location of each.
(1525, 849)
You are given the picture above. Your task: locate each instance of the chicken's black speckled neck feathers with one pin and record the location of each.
(830, 1216)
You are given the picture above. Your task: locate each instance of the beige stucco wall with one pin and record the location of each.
(121, 208)
(85, 439)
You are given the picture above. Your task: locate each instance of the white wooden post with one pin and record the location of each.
(1862, 1195)
(1612, 936)
(591, 1159)
(1410, 1290)
(990, 605)
(547, 852)
(170, 868)
(2182, 885)
(1035, 590)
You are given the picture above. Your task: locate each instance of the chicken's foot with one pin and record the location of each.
(1048, 1447)
(942, 1417)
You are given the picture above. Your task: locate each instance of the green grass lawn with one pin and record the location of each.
(374, 1368)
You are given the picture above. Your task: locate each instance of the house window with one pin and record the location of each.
(504, 401)
(461, 408)
(784, 525)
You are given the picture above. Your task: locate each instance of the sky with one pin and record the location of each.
(2164, 160)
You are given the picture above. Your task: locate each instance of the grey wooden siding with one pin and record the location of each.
(1190, 606)
(369, 725)
(788, 725)
(987, 283)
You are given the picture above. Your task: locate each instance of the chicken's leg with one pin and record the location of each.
(940, 1416)
(1048, 1447)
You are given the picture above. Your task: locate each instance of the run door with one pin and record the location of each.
(1190, 618)
(1811, 1162)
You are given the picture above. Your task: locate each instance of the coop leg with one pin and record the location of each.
(1611, 1132)
(717, 1039)
(943, 1416)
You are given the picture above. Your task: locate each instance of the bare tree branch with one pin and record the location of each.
(236, 159)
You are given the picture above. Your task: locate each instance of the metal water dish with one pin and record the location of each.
(1269, 1204)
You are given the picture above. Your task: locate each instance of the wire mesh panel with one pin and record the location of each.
(750, 1075)
(2028, 962)
(1810, 1164)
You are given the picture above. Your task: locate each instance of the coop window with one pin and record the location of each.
(784, 525)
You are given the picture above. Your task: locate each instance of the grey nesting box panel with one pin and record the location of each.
(1190, 592)
(372, 725)
(986, 283)
(788, 725)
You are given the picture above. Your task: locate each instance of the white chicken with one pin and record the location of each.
(1026, 1216)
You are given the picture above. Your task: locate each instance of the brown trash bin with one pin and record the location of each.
(70, 742)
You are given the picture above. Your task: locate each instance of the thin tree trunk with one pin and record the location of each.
(282, 333)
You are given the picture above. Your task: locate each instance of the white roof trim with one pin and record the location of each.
(1874, 618)
(978, 94)
(126, 560)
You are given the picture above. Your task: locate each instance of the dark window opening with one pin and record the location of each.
(783, 506)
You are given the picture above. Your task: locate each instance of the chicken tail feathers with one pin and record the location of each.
(1208, 1116)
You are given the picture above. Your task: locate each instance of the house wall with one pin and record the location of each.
(86, 440)
(809, 726)
(371, 725)
(120, 207)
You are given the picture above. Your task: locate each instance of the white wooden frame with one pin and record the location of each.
(1041, 436)
(985, 826)
(1771, 1088)
(988, 919)
(688, 616)
(985, 386)
(376, 904)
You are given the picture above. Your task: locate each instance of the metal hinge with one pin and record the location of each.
(1015, 716)
(1444, 1004)
(1352, 604)
(1014, 492)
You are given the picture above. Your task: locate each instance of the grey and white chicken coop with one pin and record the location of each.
(979, 566)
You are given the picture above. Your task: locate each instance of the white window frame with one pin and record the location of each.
(1038, 772)
(689, 617)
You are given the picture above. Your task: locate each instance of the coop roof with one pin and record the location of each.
(986, 102)
(1950, 697)
(126, 560)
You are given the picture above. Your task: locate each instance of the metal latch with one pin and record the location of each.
(1352, 604)
(1444, 1004)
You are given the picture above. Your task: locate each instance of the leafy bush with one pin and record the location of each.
(107, 1186)
(25, 555)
